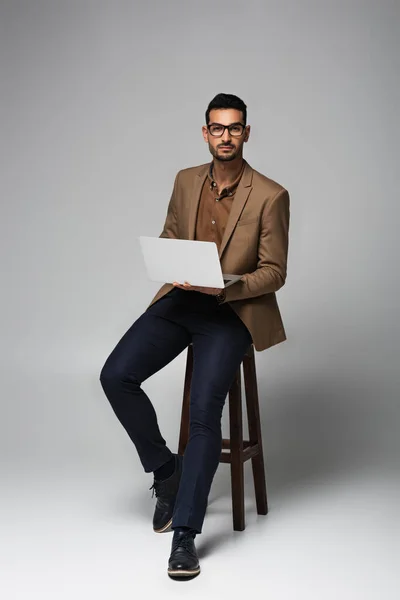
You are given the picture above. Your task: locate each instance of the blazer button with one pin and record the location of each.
(213, 222)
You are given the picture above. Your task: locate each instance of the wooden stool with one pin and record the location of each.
(239, 450)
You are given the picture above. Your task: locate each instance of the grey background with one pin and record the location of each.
(101, 104)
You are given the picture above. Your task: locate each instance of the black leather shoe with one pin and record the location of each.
(166, 491)
(183, 561)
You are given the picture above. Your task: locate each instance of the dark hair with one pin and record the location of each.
(226, 101)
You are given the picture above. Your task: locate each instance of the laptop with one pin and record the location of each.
(168, 260)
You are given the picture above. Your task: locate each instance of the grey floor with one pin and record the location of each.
(75, 530)
(91, 537)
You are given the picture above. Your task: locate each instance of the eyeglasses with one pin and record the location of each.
(218, 130)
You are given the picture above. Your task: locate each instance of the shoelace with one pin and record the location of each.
(158, 489)
(154, 489)
(185, 540)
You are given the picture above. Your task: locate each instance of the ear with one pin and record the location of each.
(204, 131)
(247, 133)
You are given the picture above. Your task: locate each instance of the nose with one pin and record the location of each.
(226, 137)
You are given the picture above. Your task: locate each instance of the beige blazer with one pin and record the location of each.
(255, 243)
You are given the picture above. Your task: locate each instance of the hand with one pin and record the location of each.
(193, 288)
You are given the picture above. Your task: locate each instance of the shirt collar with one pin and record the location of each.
(230, 187)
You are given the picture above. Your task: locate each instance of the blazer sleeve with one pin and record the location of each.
(170, 229)
(270, 274)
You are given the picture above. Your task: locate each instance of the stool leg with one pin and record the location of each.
(184, 428)
(253, 414)
(236, 452)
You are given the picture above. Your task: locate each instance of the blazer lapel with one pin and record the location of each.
(195, 199)
(242, 193)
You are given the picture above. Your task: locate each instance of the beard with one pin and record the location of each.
(224, 156)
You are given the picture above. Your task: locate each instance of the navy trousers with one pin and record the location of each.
(220, 340)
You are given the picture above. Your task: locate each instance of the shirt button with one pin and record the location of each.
(213, 222)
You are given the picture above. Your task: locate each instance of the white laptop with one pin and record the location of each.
(168, 260)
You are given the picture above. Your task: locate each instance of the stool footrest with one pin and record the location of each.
(226, 444)
(248, 452)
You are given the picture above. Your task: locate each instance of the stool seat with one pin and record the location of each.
(235, 450)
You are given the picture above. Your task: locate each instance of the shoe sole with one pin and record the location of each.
(164, 529)
(181, 573)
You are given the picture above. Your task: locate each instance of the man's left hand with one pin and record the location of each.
(195, 288)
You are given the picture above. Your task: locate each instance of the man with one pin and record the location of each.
(247, 215)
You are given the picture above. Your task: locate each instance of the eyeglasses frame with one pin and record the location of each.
(228, 128)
